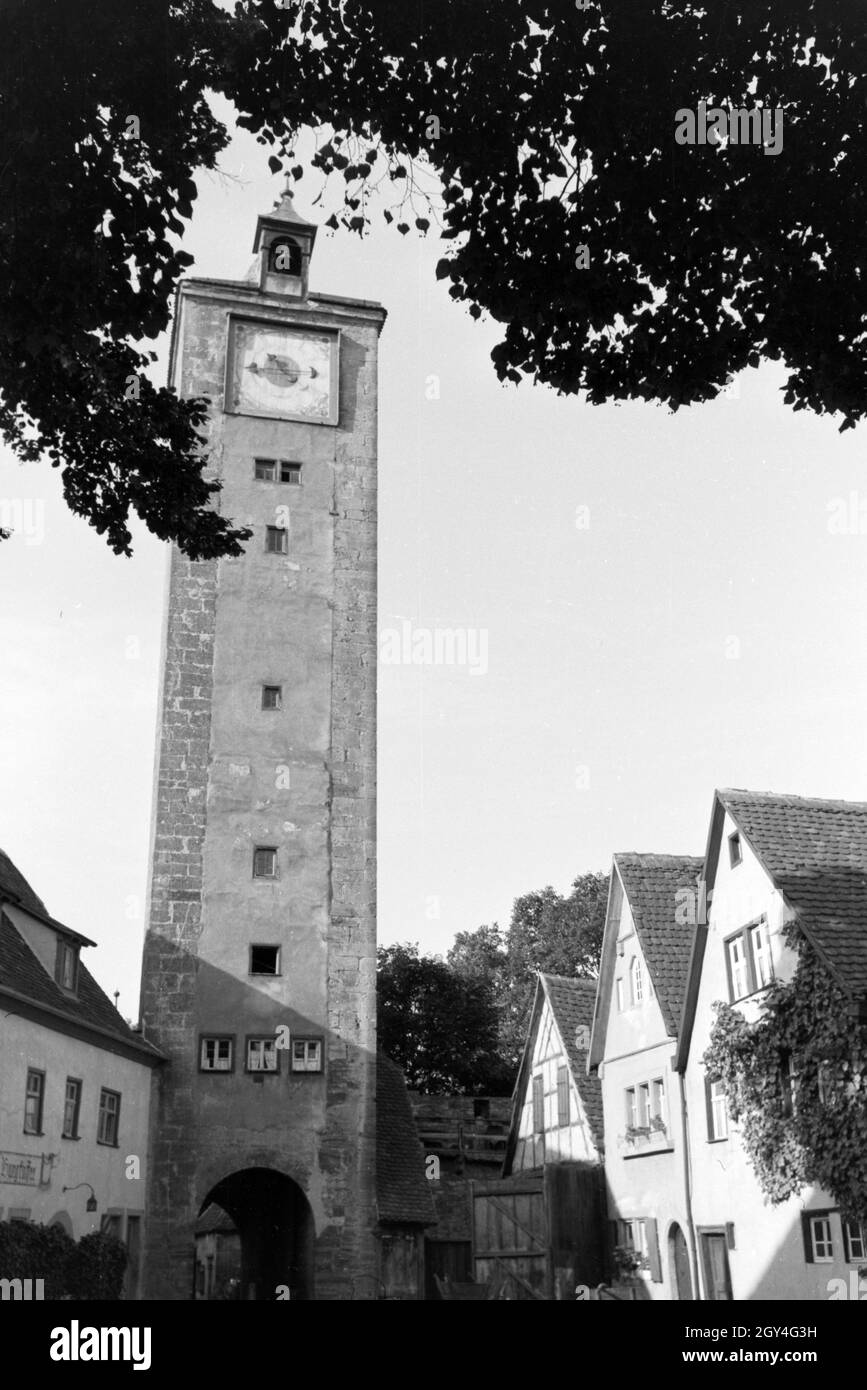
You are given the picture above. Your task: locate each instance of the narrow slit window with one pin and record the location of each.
(735, 852)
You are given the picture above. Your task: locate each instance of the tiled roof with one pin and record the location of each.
(651, 883)
(21, 971)
(816, 853)
(402, 1191)
(571, 1004)
(14, 885)
(214, 1220)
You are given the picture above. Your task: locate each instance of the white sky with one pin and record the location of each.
(614, 698)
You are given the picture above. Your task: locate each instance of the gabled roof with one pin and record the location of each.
(215, 1221)
(651, 883)
(571, 1004)
(815, 851)
(24, 979)
(14, 886)
(403, 1196)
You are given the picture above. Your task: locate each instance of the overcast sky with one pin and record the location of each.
(655, 604)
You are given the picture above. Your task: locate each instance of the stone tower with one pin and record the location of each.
(259, 962)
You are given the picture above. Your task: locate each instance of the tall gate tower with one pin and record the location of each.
(260, 954)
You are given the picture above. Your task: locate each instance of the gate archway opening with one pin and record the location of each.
(275, 1224)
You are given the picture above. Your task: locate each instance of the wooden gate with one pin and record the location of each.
(537, 1237)
(510, 1238)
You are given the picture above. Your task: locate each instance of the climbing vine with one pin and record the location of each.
(796, 1084)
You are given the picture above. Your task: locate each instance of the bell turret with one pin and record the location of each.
(284, 245)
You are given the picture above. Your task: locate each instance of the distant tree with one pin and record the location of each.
(549, 932)
(440, 1027)
(618, 261)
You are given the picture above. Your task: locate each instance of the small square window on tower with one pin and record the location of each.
(264, 960)
(306, 1054)
(265, 470)
(272, 696)
(276, 540)
(735, 851)
(264, 862)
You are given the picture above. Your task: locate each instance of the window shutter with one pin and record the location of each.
(730, 1235)
(708, 1105)
(653, 1249)
(808, 1237)
(847, 1254)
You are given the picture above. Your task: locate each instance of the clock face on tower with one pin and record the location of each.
(284, 372)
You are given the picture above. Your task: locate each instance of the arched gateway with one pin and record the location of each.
(275, 1224)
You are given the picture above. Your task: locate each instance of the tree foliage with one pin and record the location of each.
(440, 1027)
(549, 128)
(796, 1083)
(561, 935)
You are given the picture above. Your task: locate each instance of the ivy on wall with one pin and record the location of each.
(796, 1084)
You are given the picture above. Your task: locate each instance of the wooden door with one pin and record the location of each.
(678, 1263)
(718, 1284)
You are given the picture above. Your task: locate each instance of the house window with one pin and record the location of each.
(265, 470)
(538, 1105)
(264, 960)
(644, 1104)
(215, 1054)
(34, 1097)
(306, 1054)
(262, 1054)
(748, 959)
(111, 1224)
(66, 964)
(633, 1236)
(637, 980)
(761, 952)
(71, 1108)
(717, 1112)
(272, 696)
(632, 1108)
(740, 980)
(619, 990)
(562, 1096)
(657, 1104)
(276, 540)
(109, 1116)
(824, 1084)
(820, 1236)
(264, 862)
(290, 473)
(854, 1242)
(786, 1085)
(735, 852)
